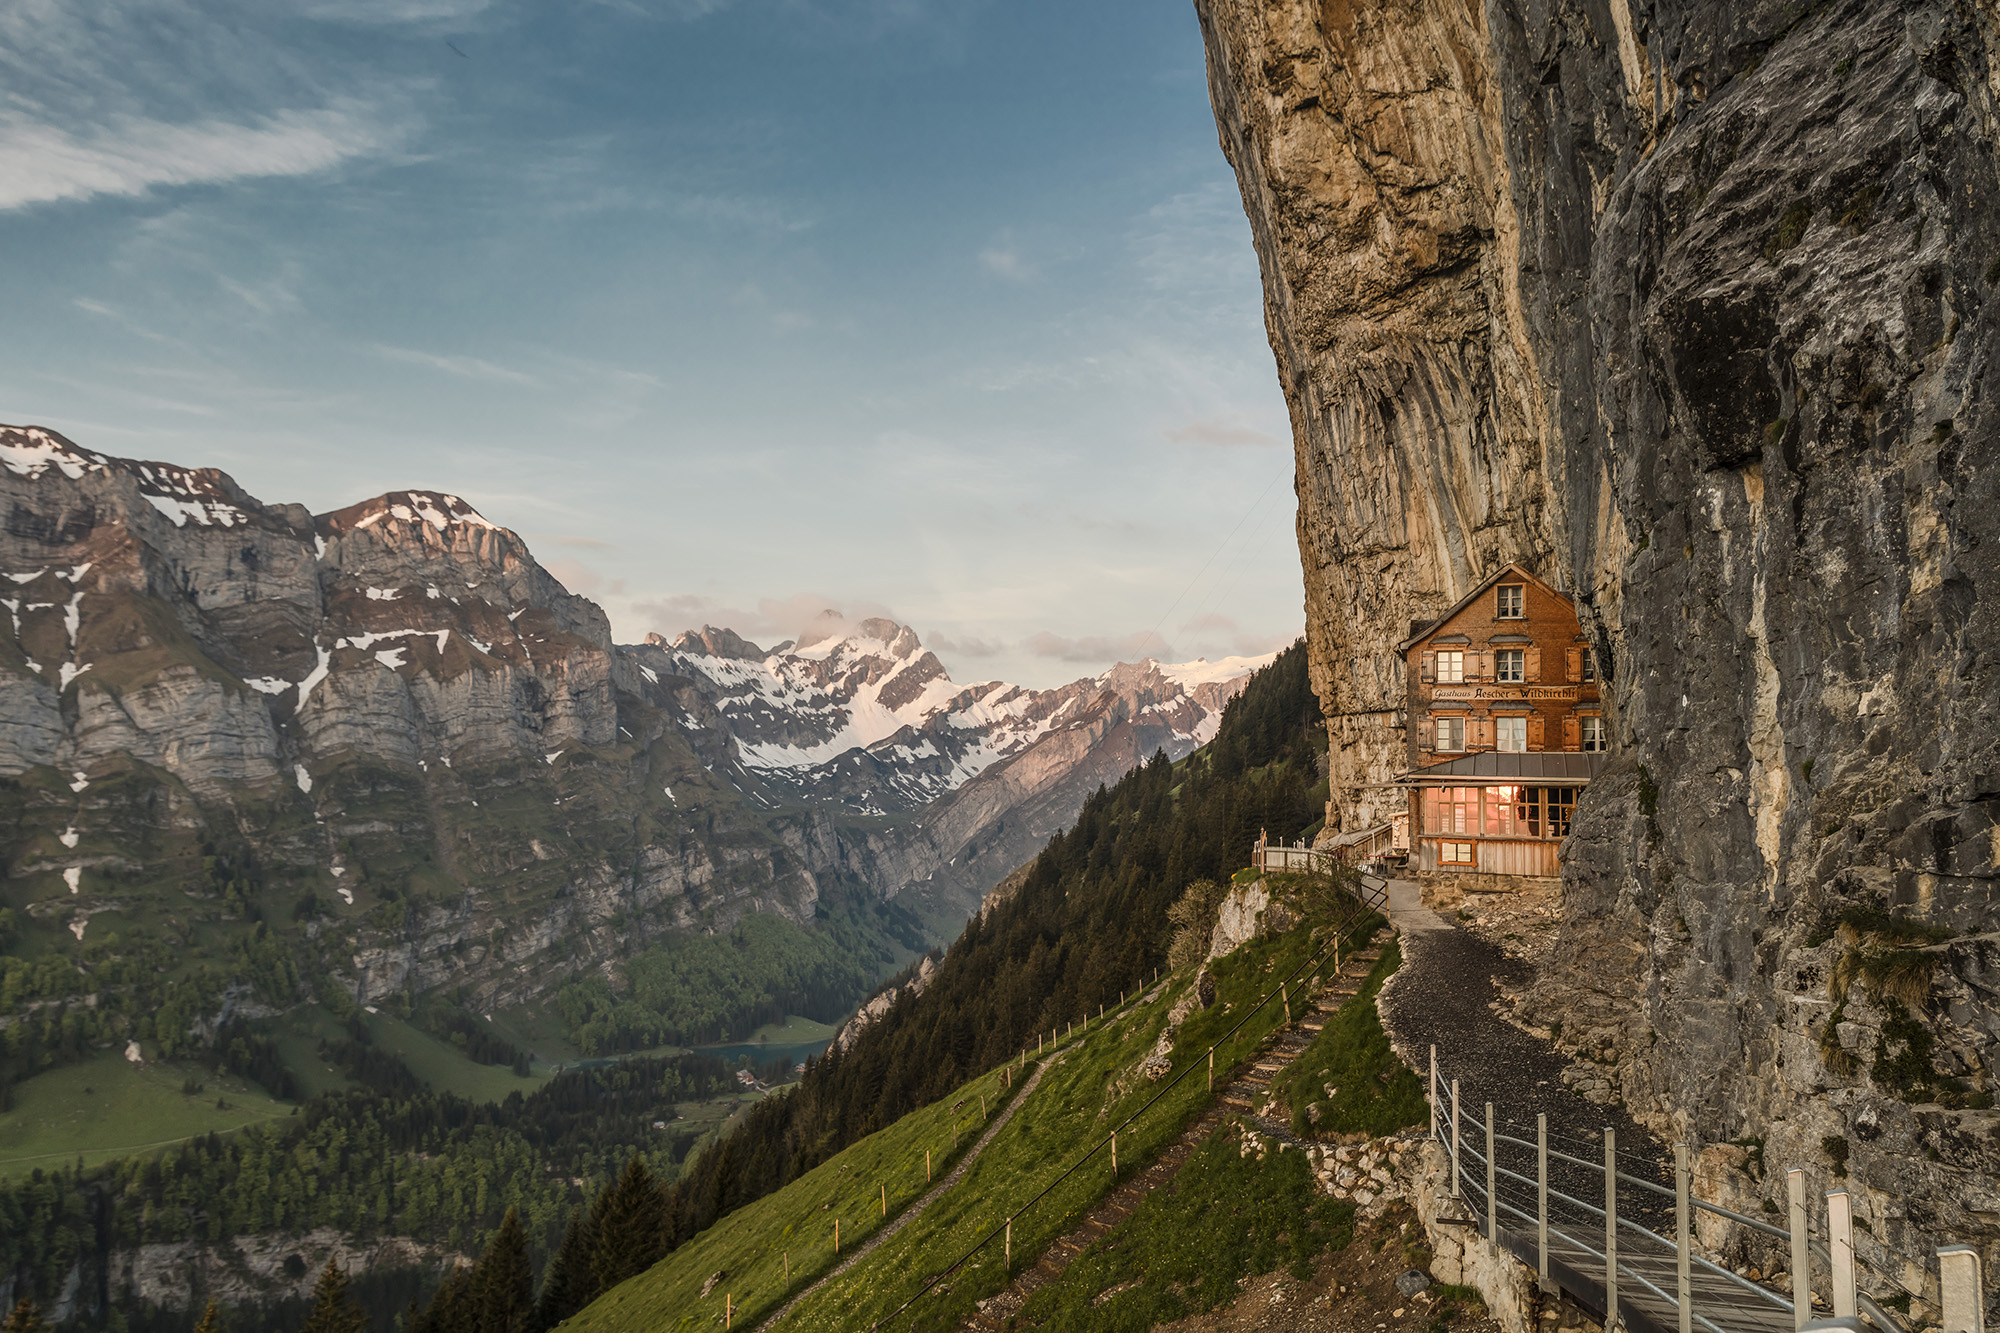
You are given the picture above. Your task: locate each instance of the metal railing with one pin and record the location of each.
(1566, 1237)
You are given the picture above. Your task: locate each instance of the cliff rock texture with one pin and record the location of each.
(1688, 306)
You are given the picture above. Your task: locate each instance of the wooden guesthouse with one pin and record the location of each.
(1505, 728)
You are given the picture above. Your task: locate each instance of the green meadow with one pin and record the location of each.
(106, 1108)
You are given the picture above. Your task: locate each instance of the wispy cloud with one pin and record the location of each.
(43, 163)
(466, 367)
(1003, 259)
(1222, 432)
(772, 619)
(970, 645)
(1100, 647)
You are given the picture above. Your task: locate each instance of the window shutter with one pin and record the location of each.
(1427, 670)
(1575, 664)
(1481, 729)
(1572, 732)
(1486, 665)
(1534, 665)
(1537, 731)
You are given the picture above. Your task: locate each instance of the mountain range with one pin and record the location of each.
(387, 735)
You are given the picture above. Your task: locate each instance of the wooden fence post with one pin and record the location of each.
(885, 1200)
(836, 1235)
(927, 1166)
(1114, 1154)
(1211, 1069)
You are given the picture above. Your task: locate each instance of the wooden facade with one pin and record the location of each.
(1505, 727)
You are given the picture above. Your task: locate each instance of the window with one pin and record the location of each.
(1451, 671)
(1455, 853)
(1588, 661)
(1500, 812)
(1513, 601)
(1593, 733)
(1451, 810)
(1511, 734)
(1451, 733)
(1562, 804)
(1511, 664)
(1528, 811)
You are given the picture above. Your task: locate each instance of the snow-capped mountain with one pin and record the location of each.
(865, 716)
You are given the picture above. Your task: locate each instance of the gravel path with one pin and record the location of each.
(1444, 994)
(915, 1210)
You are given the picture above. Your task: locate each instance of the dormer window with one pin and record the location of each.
(1513, 601)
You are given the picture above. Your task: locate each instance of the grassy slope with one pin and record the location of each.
(797, 1221)
(129, 1108)
(1079, 1101)
(1374, 1092)
(1227, 1215)
(1088, 1089)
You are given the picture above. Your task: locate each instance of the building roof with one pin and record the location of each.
(1422, 631)
(1558, 766)
(1363, 835)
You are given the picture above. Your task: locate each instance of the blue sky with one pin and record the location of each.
(735, 309)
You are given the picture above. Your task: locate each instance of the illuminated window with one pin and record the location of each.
(1589, 664)
(1511, 664)
(1456, 853)
(1451, 670)
(1502, 812)
(1511, 734)
(1593, 734)
(1513, 601)
(1451, 733)
(1451, 810)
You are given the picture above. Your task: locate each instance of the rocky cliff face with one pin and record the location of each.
(1689, 307)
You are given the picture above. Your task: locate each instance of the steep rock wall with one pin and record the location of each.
(1688, 306)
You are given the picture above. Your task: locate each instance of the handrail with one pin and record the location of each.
(1867, 1304)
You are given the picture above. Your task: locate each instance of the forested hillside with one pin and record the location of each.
(1087, 923)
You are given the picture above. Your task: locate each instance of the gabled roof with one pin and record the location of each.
(1516, 571)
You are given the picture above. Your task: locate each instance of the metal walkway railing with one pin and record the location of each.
(1569, 1229)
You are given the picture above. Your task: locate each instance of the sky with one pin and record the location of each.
(736, 310)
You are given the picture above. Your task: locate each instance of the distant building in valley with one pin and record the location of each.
(1504, 728)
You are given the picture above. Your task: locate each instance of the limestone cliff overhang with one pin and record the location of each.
(1506, 573)
(1552, 768)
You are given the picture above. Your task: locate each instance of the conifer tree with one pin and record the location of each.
(503, 1287)
(211, 1320)
(25, 1319)
(567, 1283)
(629, 1234)
(334, 1311)
(453, 1308)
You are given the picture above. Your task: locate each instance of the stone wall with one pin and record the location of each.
(1687, 306)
